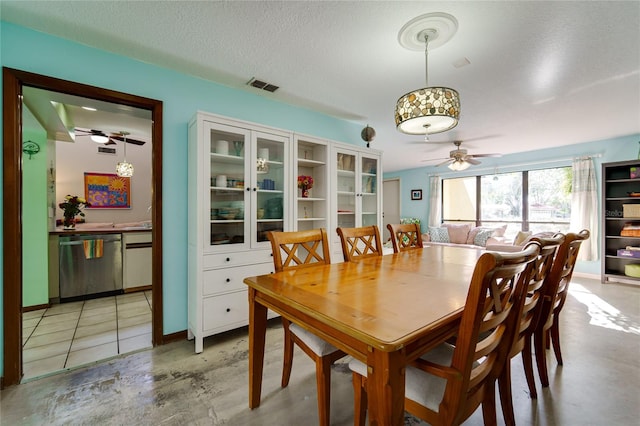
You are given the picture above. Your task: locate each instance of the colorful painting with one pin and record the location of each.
(107, 190)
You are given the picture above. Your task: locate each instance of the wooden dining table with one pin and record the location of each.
(384, 311)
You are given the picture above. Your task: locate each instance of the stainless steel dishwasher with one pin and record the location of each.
(90, 266)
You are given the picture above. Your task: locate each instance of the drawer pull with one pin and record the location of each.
(228, 280)
(228, 259)
(228, 309)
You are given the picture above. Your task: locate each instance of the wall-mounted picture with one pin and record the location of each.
(416, 194)
(107, 190)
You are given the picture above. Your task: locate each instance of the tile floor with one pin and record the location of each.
(74, 334)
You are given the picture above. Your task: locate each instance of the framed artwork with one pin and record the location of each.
(107, 191)
(416, 194)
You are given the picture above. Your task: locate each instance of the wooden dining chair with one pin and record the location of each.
(528, 321)
(405, 236)
(359, 243)
(302, 249)
(553, 299)
(446, 385)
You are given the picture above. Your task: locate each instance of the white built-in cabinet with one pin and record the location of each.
(355, 187)
(242, 183)
(311, 158)
(238, 191)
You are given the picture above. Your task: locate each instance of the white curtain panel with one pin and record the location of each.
(584, 206)
(435, 201)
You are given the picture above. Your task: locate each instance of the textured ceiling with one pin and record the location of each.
(540, 74)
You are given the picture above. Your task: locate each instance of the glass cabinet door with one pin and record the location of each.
(269, 183)
(228, 199)
(346, 189)
(369, 190)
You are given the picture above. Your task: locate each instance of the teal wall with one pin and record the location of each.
(618, 149)
(182, 95)
(35, 235)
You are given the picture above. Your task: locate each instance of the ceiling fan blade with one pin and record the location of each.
(88, 132)
(487, 155)
(471, 160)
(450, 160)
(128, 140)
(435, 159)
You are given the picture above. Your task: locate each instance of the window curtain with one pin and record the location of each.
(435, 201)
(584, 206)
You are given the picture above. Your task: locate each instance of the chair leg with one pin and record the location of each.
(506, 397)
(527, 362)
(489, 405)
(323, 384)
(555, 339)
(359, 400)
(287, 362)
(547, 340)
(541, 356)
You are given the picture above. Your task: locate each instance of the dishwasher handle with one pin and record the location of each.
(79, 242)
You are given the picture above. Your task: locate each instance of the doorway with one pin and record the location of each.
(13, 82)
(390, 204)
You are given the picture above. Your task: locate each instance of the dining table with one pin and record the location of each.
(385, 311)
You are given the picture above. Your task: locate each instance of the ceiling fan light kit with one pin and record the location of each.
(459, 165)
(100, 138)
(430, 109)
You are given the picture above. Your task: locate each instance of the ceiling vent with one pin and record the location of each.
(259, 84)
(106, 150)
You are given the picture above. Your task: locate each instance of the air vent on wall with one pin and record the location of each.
(259, 84)
(106, 150)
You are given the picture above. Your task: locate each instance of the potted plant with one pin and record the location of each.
(72, 206)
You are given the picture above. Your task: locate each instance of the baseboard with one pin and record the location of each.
(36, 307)
(174, 337)
(137, 289)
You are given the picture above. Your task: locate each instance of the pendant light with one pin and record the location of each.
(430, 109)
(124, 169)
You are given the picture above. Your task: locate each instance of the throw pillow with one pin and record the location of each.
(439, 235)
(458, 233)
(499, 231)
(482, 236)
(472, 234)
(521, 237)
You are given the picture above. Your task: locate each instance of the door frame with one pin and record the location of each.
(13, 82)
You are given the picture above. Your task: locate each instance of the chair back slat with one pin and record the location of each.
(358, 243)
(405, 236)
(298, 249)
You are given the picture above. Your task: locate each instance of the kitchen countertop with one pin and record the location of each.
(87, 230)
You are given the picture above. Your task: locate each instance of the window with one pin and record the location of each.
(536, 200)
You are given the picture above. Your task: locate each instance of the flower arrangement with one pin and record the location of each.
(72, 207)
(305, 183)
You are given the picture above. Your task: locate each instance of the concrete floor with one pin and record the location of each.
(171, 385)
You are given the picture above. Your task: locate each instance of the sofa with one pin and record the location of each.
(465, 235)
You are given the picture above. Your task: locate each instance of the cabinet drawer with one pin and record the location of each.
(230, 279)
(225, 312)
(236, 259)
(137, 237)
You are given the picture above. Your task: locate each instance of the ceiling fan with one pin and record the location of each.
(460, 159)
(99, 136)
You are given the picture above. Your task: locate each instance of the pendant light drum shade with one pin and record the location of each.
(432, 109)
(428, 110)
